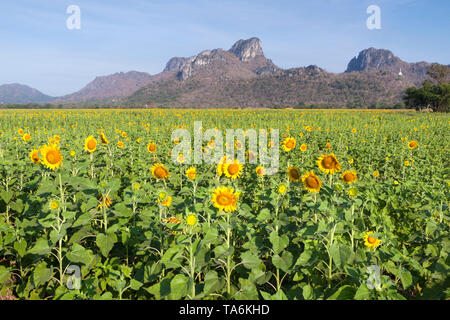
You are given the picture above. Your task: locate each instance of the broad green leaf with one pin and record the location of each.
(21, 247)
(41, 247)
(4, 274)
(178, 286)
(343, 293)
(105, 242)
(41, 274)
(250, 260)
(279, 243)
(79, 254)
(213, 282)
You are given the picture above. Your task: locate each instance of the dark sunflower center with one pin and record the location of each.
(233, 168)
(348, 177)
(371, 240)
(312, 182)
(329, 162)
(160, 172)
(295, 174)
(224, 200)
(52, 157)
(91, 144)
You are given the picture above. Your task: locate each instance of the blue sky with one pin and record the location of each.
(38, 50)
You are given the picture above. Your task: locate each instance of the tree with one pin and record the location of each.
(439, 73)
(436, 97)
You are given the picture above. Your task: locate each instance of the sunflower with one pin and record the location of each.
(232, 170)
(120, 144)
(225, 199)
(303, 147)
(173, 220)
(51, 156)
(124, 134)
(413, 144)
(293, 174)
(282, 189)
(370, 241)
(90, 144)
(180, 158)
(34, 156)
(191, 173)
(159, 171)
(352, 192)
(26, 137)
(328, 164)
(288, 144)
(73, 153)
(20, 132)
(191, 220)
(354, 130)
(376, 173)
(103, 138)
(311, 182)
(166, 202)
(328, 145)
(260, 171)
(407, 163)
(151, 147)
(54, 205)
(349, 177)
(104, 199)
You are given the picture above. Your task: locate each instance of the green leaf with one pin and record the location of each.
(250, 260)
(5, 274)
(212, 282)
(21, 247)
(121, 210)
(308, 292)
(284, 262)
(172, 257)
(79, 254)
(304, 257)
(278, 243)
(343, 293)
(406, 278)
(178, 286)
(41, 247)
(263, 215)
(41, 274)
(363, 293)
(82, 220)
(6, 195)
(135, 285)
(211, 235)
(105, 242)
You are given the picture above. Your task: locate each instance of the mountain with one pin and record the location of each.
(244, 77)
(244, 60)
(379, 60)
(19, 93)
(109, 89)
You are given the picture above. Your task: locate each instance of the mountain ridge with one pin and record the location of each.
(190, 81)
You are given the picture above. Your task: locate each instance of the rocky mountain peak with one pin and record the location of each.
(248, 49)
(372, 59)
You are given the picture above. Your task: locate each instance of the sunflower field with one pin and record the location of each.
(93, 207)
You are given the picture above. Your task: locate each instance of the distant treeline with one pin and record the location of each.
(399, 105)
